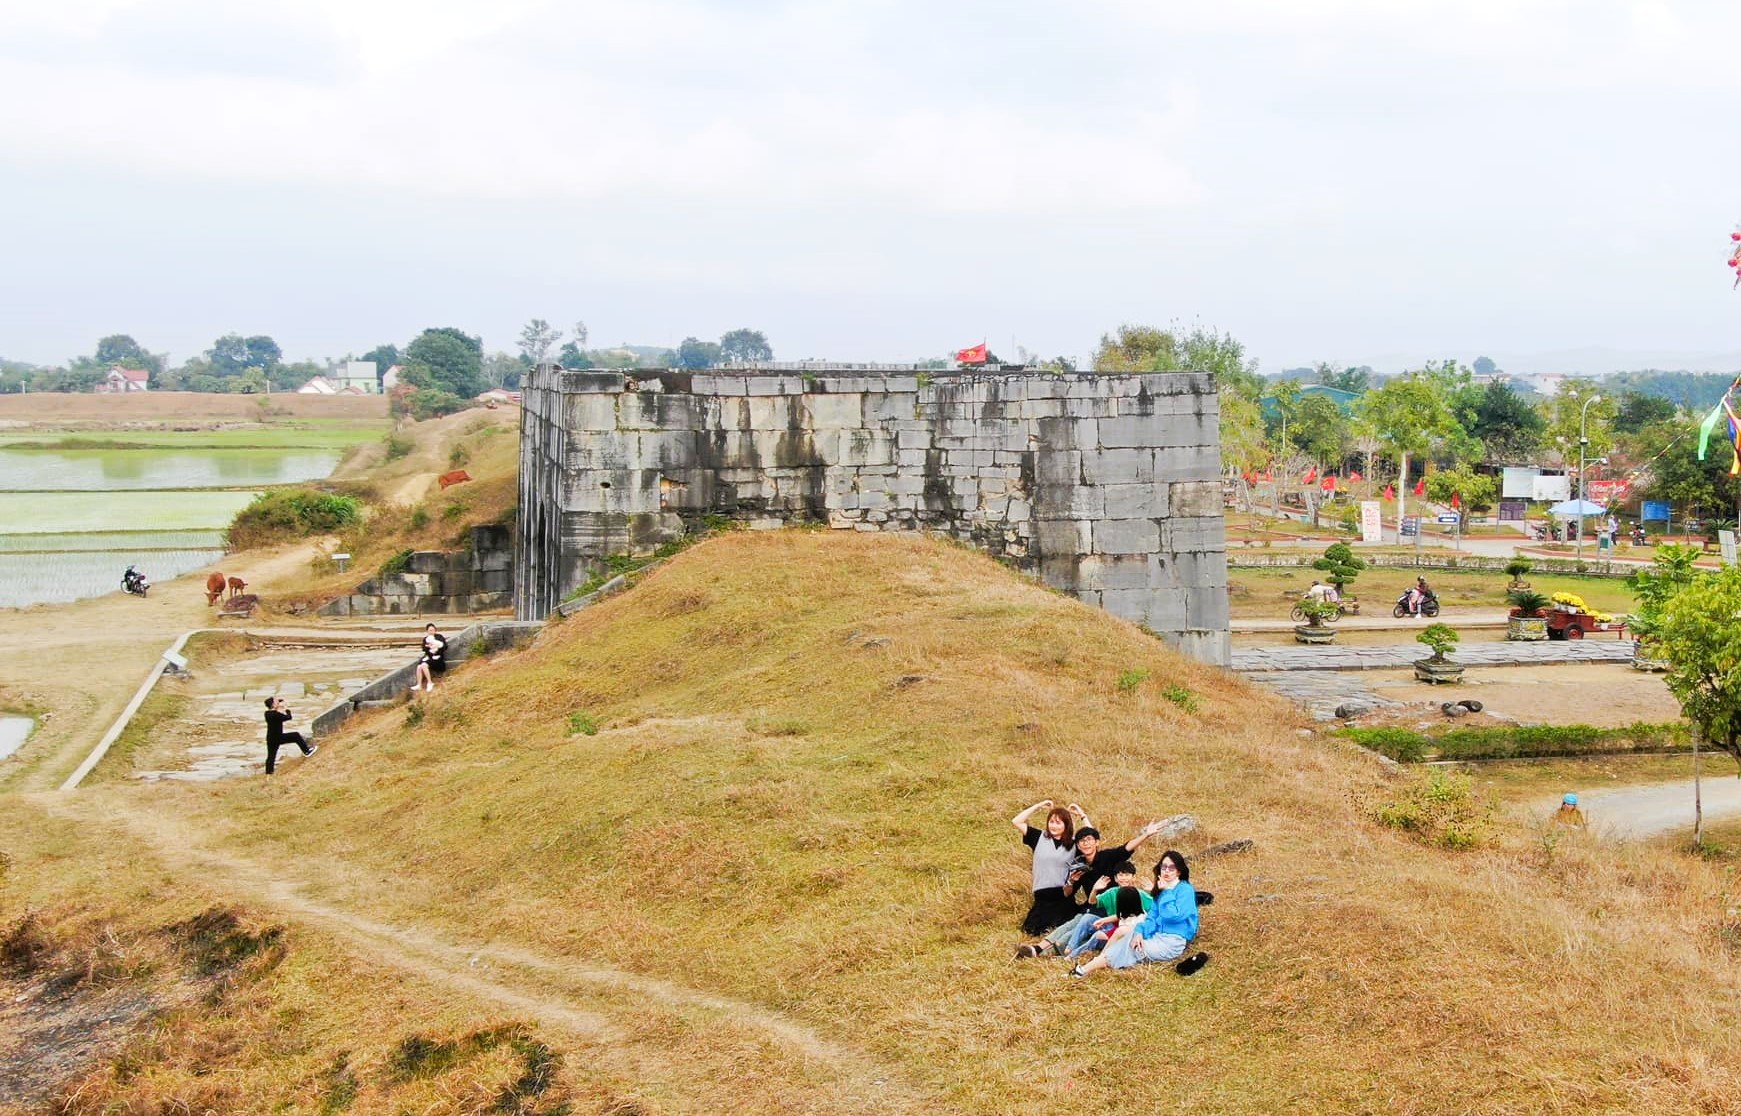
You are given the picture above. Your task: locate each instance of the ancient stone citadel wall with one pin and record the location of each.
(1106, 487)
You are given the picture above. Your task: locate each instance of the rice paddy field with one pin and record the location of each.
(78, 506)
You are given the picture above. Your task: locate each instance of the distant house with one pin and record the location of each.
(120, 381)
(318, 385)
(390, 378)
(359, 374)
(1344, 400)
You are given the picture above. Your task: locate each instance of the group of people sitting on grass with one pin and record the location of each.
(1089, 904)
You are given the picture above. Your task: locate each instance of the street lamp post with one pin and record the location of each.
(1583, 444)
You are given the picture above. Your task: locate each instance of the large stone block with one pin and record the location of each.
(1061, 537)
(1195, 498)
(1126, 536)
(1118, 466)
(1193, 463)
(1069, 501)
(1114, 571)
(1135, 501)
(1058, 467)
(1180, 535)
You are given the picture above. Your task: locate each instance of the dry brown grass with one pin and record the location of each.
(164, 406)
(774, 810)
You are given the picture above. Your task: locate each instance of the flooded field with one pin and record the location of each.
(14, 731)
(108, 470)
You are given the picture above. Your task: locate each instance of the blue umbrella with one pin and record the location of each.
(1571, 509)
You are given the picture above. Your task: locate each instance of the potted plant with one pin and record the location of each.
(1528, 617)
(1438, 668)
(1315, 630)
(1517, 569)
(1341, 566)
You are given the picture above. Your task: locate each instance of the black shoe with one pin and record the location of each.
(1191, 964)
(1076, 972)
(313, 748)
(1204, 898)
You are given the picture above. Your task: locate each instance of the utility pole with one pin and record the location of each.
(1583, 444)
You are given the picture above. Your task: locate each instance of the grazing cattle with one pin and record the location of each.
(448, 480)
(214, 588)
(236, 586)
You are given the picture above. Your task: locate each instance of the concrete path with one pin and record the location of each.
(1321, 692)
(1252, 660)
(1659, 808)
(1377, 622)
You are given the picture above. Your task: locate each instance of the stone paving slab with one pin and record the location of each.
(1494, 653)
(1321, 692)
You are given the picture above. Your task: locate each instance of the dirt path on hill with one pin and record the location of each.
(523, 981)
(1656, 809)
(82, 662)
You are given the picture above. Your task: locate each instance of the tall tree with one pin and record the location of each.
(745, 345)
(232, 354)
(120, 349)
(1509, 428)
(1134, 348)
(1637, 411)
(694, 353)
(452, 360)
(1565, 413)
(1484, 367)
(1321, 429)
(505, 370)
(1356, 380)
(1407, 415)
(538, 340)
(579, 333)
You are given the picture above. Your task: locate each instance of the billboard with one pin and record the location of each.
(1511, 511)
(1371, 526)
(1609, 491)
(1552, 488)
(1518, 483)
(1654, 510)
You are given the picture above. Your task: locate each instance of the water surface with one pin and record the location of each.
(14, 731)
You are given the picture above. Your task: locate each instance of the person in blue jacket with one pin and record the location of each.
(1160, 935)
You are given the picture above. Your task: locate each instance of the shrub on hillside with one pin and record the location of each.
(1440, 809)
(428, 403)
(291, 513)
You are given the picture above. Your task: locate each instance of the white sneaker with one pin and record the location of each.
(430, 687)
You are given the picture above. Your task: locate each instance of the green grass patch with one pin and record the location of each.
(1520, 741)
(292, 513)
(160, 708)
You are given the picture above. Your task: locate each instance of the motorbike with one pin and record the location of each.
(1429, 605)
(1638, 536)
(135, 582)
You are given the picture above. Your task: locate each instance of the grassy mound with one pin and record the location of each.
(778, 772)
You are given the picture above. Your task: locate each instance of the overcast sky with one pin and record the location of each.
(1383, 182)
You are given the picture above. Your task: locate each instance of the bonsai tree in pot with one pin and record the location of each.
(1315, 630)
(1341, 566)
(1518, 569)
(1438, 668)
(1528, 617)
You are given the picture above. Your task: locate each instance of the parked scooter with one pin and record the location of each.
(135, 582)
(1638, 536)
(1429, 605)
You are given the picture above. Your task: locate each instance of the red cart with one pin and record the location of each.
(1574, 625)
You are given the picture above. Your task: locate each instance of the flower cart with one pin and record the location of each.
(1571, 618)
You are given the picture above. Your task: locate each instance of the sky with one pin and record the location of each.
(1550, 184)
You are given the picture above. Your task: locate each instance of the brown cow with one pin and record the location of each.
(236, 586)
(448, 480)
(214, 588)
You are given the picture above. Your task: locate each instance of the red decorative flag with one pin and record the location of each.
(1311, 475)
(975, 355)
(1268, 476)
(1389, 492)
(1249, 478)
(1329, 484)
(1456, 499)
(1421, 487)
(1354, 475)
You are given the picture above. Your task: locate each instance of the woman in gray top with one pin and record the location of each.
(1054, 858)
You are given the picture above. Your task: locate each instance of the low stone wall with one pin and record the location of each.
(496, 635)
(439, 582)
(1238, 559)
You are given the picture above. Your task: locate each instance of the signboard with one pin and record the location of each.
(1609, 491)
(1371, 526)
(1451, 518)
(1554, 488)
(1726, 540)
(1517, 482)
(1411, 525)
(1655, 509)
(1511, 511)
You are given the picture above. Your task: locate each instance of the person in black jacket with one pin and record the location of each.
(276, 737)
(434, 660)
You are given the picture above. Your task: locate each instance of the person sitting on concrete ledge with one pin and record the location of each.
(434, 660)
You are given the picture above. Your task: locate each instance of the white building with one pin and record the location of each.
(120, 381)
(359, 374)
(318, 385)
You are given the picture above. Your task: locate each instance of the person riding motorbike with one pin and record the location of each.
(133, 581)
(1418, 594)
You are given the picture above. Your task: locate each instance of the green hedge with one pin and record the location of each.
(283, 514)
(1520, 741)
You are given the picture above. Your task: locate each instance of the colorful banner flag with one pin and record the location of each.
(1709, 425)
(1311, 475)
(1421, 487)
(976, 355)
(1389, 492)
(1329, 484)
(1354, 475)
(1456, 499)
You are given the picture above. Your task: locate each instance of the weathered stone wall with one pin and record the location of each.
(1106, 487)
(440, 581)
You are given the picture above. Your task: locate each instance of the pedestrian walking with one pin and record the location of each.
(277, 713)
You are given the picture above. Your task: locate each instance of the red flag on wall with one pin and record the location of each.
(1311, 475)
(1421, 487)
(976, 355)
(1389, 492)
(1355, 476)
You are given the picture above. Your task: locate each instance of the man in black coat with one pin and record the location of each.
(276, 737)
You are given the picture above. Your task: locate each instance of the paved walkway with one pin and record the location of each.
(1658, 808)
(1381, 622)
(1252, 660)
